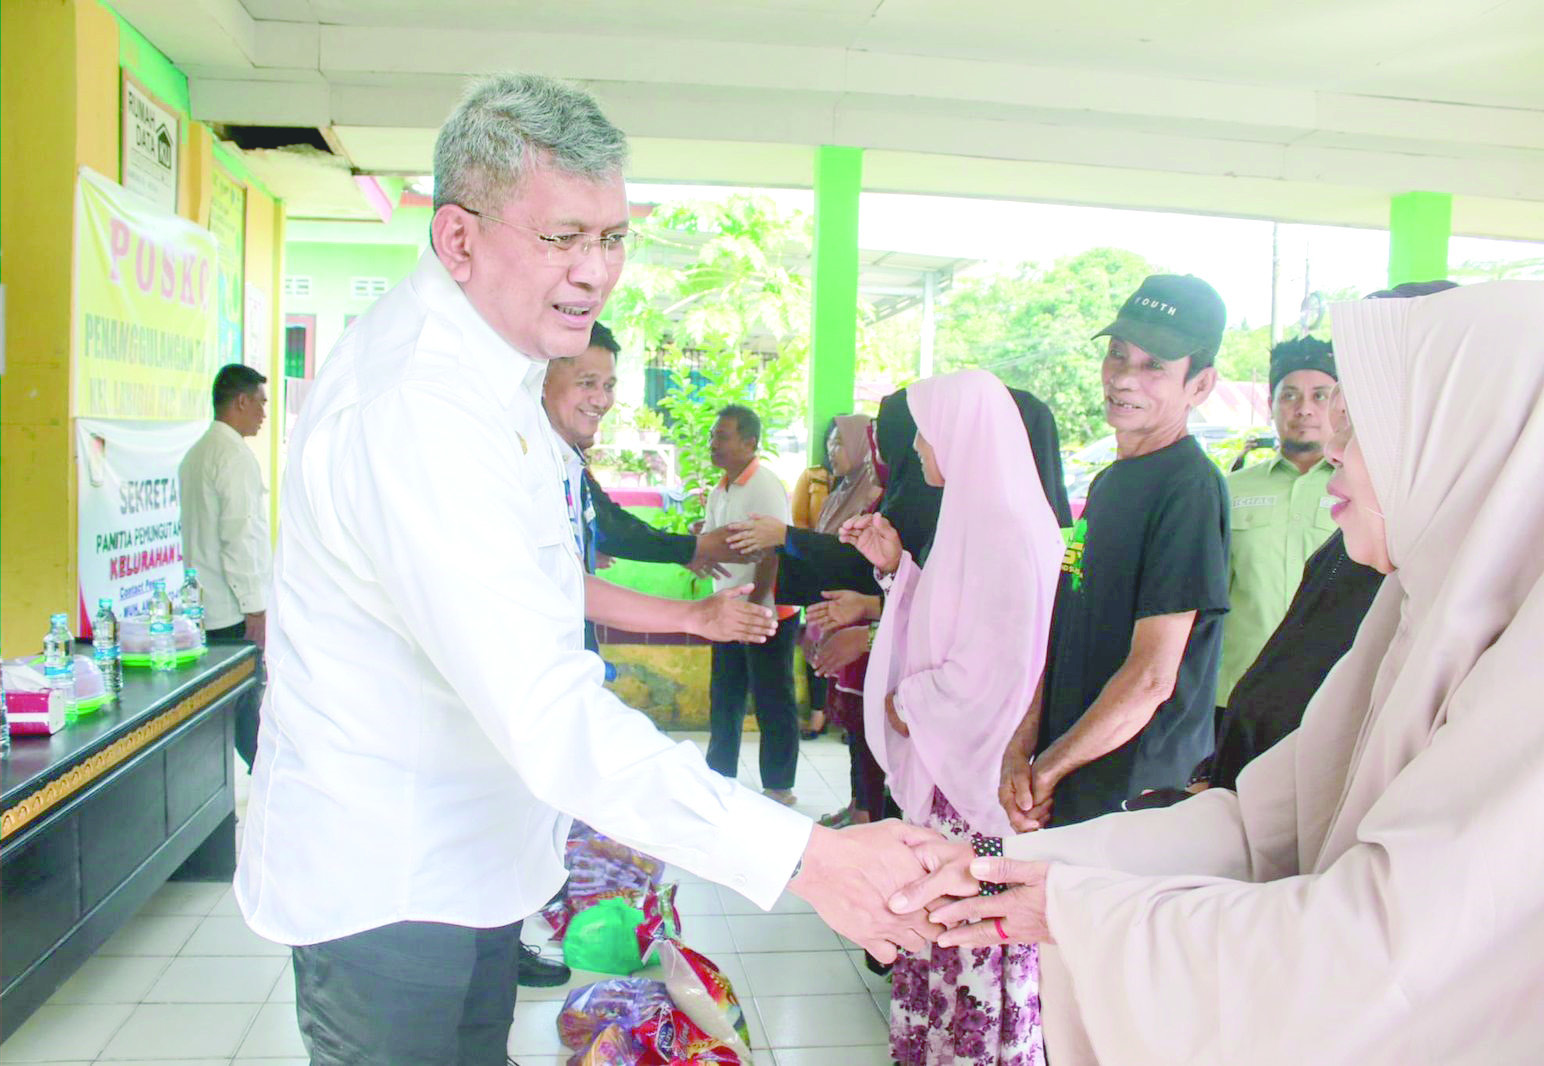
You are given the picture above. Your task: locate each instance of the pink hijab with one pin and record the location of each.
(962, 641)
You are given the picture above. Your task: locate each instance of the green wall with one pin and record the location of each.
(331, 268)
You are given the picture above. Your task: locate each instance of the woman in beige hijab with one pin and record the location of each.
(1373, 893)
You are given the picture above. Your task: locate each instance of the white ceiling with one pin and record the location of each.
(1314, 110)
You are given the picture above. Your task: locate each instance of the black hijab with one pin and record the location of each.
(910, 504)
(1045, 442)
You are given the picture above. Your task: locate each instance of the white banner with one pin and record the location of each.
(143, 337)
(130, 510)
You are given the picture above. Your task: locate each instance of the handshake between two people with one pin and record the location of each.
(892, 887)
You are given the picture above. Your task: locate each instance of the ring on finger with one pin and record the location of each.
(998, 923)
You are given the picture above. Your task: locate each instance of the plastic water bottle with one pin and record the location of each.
(163, 647)
(192, 597)
(59, 661)
(104, 638)
(5, 720)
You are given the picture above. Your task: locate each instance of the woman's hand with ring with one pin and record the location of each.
(1016, 916)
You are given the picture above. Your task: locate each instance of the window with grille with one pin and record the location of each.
(294, 351)
(368, 288)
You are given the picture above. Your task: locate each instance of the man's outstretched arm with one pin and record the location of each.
(725, 615)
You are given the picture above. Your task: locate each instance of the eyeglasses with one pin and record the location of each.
(571, 248)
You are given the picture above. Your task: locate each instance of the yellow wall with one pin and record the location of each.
(59, 107)
(264, 270)
(59, 93)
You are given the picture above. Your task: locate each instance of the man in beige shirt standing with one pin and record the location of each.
(225, 528)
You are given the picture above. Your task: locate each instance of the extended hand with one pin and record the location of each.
(756, 534)
(842, 607)
(839, 650)
(728, 616)
(712, 551)
(876, 538)
(1020, 911)
(850, 875)
(949, 877)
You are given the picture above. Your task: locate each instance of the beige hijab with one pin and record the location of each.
(1374, 893)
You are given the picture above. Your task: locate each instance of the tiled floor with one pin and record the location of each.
(186, 982)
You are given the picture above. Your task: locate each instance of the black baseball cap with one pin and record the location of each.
(1172, 316)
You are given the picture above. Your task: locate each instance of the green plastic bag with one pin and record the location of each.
(604, 938)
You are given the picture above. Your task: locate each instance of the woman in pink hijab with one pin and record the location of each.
(959, 651)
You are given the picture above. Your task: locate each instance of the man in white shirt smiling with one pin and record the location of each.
(225, 527)
(432, 717)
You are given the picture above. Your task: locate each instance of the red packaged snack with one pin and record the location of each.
(661, 919)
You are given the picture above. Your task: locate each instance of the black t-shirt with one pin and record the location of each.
(1153, 540)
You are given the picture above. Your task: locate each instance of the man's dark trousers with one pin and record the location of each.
(408, 994)
(249, 710)
(766, 671)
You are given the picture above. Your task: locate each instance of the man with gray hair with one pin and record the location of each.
(433, 719)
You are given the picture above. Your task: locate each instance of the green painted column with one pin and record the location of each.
(833, 289)
(1420, 224)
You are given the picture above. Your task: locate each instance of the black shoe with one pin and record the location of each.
(537, 972)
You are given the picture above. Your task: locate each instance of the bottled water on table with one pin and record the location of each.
(192, 597)
(59, 661)
(104, 638)
(5, 720)
(163, 647)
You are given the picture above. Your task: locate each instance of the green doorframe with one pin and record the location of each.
(1420, 224)
(833, 289)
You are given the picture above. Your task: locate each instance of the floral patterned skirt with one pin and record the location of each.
(965, 1006)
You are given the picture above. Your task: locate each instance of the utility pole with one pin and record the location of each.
(1275, 279)
(929, 324)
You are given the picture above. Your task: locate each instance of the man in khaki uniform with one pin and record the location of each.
(1280, 514)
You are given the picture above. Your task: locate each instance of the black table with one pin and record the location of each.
(98, 816)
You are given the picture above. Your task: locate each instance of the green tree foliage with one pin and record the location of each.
(1497, 270)
(1245, 355)
(1033, 326)
(889, 350)
(731, 322)
(723, 376)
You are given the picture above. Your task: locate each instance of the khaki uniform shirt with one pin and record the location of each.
(1278, 518)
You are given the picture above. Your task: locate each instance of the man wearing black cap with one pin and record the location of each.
(1280, 514)
(1127, 700)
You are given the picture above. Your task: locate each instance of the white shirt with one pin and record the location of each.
(756, 491)
(225, 525)
(430, 705)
